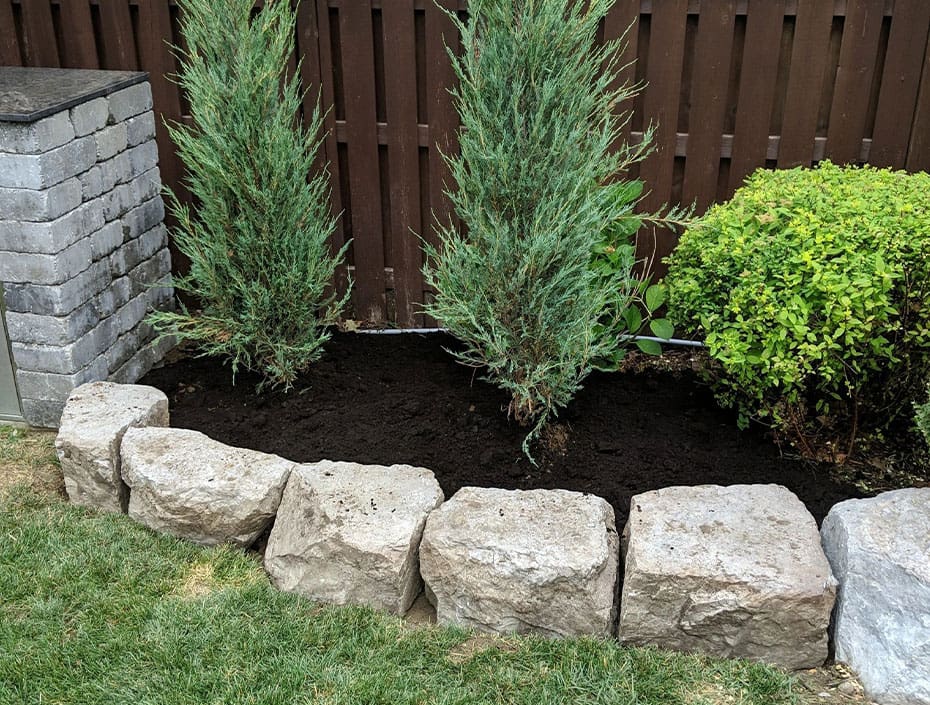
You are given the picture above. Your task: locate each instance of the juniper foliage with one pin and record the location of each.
(258, 239)
(537, 100)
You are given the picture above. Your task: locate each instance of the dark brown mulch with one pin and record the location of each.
(402, 399)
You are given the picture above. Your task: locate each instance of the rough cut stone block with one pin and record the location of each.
(94, 421)
(67, 359)
(36, 137)
(42, 413)
(110, 141)
(28, 268)
(735, 571)
(41, 171)
(58, 300)
(48, 330)
(90, 116)
(140, 128)
(130, 101)
(105, 240)
(51, 237)
(40, 206)
(54, 387)
(140, 363)
(880, 552)
(185, 484)
(143, 218)
(349, 534)
(539, 561)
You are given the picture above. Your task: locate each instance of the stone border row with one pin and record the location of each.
(736, 571)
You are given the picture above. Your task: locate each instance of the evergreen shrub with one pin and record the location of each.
(257, 239)
(810, 287)
(540, 286)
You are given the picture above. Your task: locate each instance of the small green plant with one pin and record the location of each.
(540, 288)
(258, 240)
(810, 288)
(922, 416)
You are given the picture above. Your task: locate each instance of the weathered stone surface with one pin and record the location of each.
(185, 484)
(732, 571)
(538, 561)
(95, 418)
(880, 552)
(349, 533)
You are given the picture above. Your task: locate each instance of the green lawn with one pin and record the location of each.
(96, 609)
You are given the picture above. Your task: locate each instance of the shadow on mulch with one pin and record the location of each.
(402, 399)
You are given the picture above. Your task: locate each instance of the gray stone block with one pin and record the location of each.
(146, 186)
(114, 297)
(116, 202)
(140, 128)
(59, 300)
(53, 236)
(36, 137)
(52, 330)
(128, 345)
(40, 206)
(91, 183)
(143, 157)
(42, 171)
(131, 254)
(90, 116)
(130, 315)
(28, 268)
(45, 386)
(107, 239)
(67, 359)
(143, 218)
(41, 413)
(110, 141)
(129, 102)
(143, 361)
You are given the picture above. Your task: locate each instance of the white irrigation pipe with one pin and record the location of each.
(400, 331)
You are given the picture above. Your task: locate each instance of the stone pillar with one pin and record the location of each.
(83, 249)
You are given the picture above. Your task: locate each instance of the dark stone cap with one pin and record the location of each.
(28, 94)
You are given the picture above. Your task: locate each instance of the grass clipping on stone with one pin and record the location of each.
(96, 609)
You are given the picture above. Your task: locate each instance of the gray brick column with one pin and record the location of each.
(83, 249)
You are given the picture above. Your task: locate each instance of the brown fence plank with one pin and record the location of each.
(358, 61)
(624, 18)
(710, 81)
(78, 46)
(403, 159)
(9, 42)
(900, 82)
(759, 72)
(661, 99)
(330, 146)
(848, 113)
(117, 40)
(918, 152)
(38, 41)
(805, 82)
(443, 118)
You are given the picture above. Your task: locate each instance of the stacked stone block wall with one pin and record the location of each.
(83, 247)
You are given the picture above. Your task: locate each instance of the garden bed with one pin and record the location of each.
(402, 399)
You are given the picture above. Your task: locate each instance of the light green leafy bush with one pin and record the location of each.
(810, 288)
(541, 284)
(258, 237)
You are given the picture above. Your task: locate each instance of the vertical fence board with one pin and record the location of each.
(756, 88)
(403, 158)
(443, 119)
(918, 151)
(330, 145)
(900, 82)
(78, 46)
(660, 106)
(805, 82)
(848, 113)
(623, 18)
(9, 42)
(38, 41)
(708, 100)
(118, 42)
(358, 62)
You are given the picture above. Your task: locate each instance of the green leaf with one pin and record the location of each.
(650, 347)
(655, 297)
(662, 328)
(634, 319)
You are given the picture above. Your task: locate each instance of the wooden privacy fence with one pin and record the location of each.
(732, 84)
